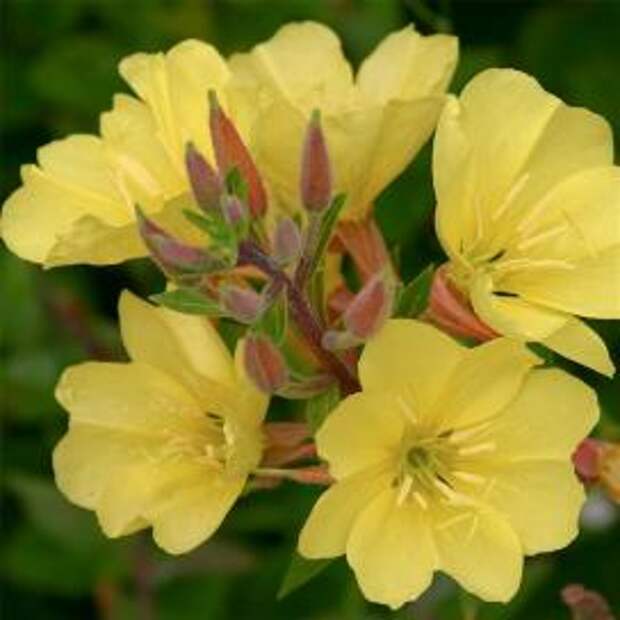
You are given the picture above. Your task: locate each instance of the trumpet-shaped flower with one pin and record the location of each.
(167, 439)
(450, 459)
(528, 211)
(77, 204)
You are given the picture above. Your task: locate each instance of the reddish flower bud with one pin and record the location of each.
(370, 308)
(234, 211)
(587, 460)
(586, 604)
(598, 462)
(205, 182)
(316, 177)
(264, 364)
(175, 258)
(286, 241)
(450, 310)
(242, 304)
(231, 152)
(334, 340)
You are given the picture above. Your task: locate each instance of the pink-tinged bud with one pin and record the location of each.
(587, 460)
(176, 258)
(334, 340)
(242, 304)
(586, 604)
(234, 210)
(450, 310)
(205, 182)
(286, 241)
(598, 462)
(370, 308)
(231, 152)
(265, 364)
(316, 176)
(286, 434)
(315, 474)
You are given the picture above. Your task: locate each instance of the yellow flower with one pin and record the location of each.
(167, 439)
(450, 459)
(528, 211)
(77, 205)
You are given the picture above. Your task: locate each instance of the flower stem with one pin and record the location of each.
(251, 254)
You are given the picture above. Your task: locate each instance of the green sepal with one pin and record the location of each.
(188, 301)
(320, 406)
(412, 299)
(300, 572)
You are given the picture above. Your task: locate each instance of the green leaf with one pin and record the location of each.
(189, 301)
(274, 321)
(300, 572)
(236, 185)
(319, 407)
(413, 298)
(328, 223)
(221, 234)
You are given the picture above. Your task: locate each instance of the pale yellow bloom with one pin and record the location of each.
(166, 440)
(450, 459)
(528, 210)
(77, 204)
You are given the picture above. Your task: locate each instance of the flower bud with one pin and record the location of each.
(264, 364)
(205, 182)
(286, 241)
(586, 604)
(175, 258)
(235, 212)
(598, 462)
(242, 304)
(370, 308)
(451, 311)
(316, 177)
(231, 152)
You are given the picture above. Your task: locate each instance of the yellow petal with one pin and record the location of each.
(179, 344)
(325, 533)
(373, 426)
(551, 414)
(302, 63)
(540, 499)
(409, 353)
(513, 316)
(191, 510)
(391, 551)
(175, 87)
(406, 65)
(75, 182)
(582, 344)
(479, 549)
(486, 380)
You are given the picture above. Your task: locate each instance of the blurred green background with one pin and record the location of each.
(58, 68)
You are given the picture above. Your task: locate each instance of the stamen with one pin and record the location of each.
(406, 409)
(543, 236)
(467, 433)
(479, 448)
(419, 498)
(511, 197)
(404, 490)
(469, 477)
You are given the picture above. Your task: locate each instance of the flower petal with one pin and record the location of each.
(582, 344)
(391, 550)
(540, 499)
(479, 549)
(409, 353)
(487, 379)
(373, 429)
(407, 65)
(327, 529)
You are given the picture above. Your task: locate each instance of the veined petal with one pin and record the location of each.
(74, 183)
(302, 63)
(583, 345)
(552, 413)
(407, 65)
(409, 353)
(328, 527)
(373, 427)
(391, 550)
(486, 380)
(174, 86)
(540, 499)
(479, 549)
(173, 342)
(513, 316)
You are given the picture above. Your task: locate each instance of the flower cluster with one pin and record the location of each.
(444, 437)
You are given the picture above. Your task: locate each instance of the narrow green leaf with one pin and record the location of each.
(274, 321)
(236, 185)
(300, 572)
(188, 301)
(221, 234)
(319, 407)
(413, 298)
(330, 218)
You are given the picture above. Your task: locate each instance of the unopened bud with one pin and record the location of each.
(286, 241)
(234, 211)
(205, 182)
(231, 152)
(264, 364)
(316, 177)
(334, 340)
(175, 258)
(586, 604)
(370, 308)
(242, 304)
(598, 462)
